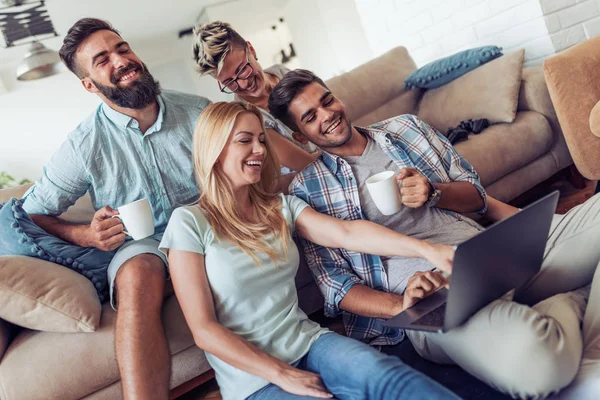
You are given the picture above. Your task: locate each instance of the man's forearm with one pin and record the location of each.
(498, 210)
(68, 232)
(461, 197)
(367, 302)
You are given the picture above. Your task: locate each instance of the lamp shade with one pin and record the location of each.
(39, 62)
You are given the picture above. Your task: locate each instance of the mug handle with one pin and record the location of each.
(121, 219)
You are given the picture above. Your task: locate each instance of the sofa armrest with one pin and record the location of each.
(81, 212)
(534, 96)
(573, 78)
(15, 191)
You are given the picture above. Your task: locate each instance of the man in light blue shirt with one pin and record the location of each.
(137, 144)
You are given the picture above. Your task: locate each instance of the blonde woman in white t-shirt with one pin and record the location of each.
(233, 262)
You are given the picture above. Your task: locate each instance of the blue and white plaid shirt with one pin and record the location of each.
(329, 186)
(108, 156)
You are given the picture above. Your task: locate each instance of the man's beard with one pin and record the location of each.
(138, 94)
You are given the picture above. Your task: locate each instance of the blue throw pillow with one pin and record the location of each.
(440, 72)
(19, 235)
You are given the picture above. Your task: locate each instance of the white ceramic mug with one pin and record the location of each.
(385, 192)
(137, 219)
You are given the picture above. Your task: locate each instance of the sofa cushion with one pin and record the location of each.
(491, 92)
(447, 69)
(503, 148)
(40, 295)
(392, 108)
(44, 365)
(19, 235)
(376, 83)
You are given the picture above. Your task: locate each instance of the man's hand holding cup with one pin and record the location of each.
(105, 232)
(415, 189)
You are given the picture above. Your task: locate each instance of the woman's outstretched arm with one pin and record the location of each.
(367, 237)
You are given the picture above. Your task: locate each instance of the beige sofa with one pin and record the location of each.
(511, 158)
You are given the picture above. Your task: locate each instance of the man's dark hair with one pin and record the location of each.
(286, 91)
(75, 36)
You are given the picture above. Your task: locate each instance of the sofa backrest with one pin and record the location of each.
(375, 91)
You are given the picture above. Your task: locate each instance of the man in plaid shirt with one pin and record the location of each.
(437, 186)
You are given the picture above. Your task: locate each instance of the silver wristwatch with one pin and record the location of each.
(434, 195)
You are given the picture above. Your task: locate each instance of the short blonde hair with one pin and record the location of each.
(211, 135)
(212, 42)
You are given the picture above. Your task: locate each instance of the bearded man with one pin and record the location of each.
(136, 144)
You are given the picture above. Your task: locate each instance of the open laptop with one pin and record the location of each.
(486, 267)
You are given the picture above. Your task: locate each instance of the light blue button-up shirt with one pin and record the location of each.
(108, 156)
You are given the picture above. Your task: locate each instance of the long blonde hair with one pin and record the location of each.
(211, 135)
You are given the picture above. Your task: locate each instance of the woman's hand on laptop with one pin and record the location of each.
(421, 285)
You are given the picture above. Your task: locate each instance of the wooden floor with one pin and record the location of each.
(569, 198)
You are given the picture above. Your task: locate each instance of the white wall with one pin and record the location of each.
(35, 118)
(431, 29)
(571, 21)
(328, 35)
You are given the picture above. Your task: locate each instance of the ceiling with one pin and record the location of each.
(135, 19)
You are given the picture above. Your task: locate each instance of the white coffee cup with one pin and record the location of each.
(137, 219)
(385, 192)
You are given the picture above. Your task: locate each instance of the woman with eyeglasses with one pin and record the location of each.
(219, 51)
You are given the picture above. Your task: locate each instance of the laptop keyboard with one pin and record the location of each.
(433, 318)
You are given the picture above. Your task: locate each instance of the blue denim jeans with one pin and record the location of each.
(354, 370)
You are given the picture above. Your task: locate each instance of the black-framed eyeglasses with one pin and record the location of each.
(232, 85)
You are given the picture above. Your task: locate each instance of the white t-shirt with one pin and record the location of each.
(259, 303)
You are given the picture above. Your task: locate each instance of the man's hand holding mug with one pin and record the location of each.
(415, 188)
(104, 232)
(107, 229)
